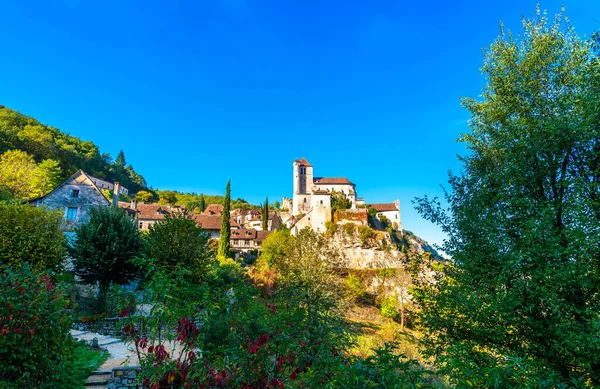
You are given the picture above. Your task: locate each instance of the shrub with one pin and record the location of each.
(365, 234)
(389, 306)
(36, 348)
(355, 289)
(33, 235)
(349, 228)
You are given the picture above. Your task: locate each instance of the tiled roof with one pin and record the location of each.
(332, 180)
(384, 207)
(262, 235)
(303, 162)
(243, 234)
(213, 222)
(208, 222)
(213, 209)
(147, 211)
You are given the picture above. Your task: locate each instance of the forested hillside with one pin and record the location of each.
(35, 157)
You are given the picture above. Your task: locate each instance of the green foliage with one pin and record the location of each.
(224, 239)
(144, 196)
(36, 349)
(104, 248)
(176, 242)
(372, 212)
(339, 201)
(348, 228)
(518, 305)
(19, 132)
(31, 235)
(274, 247)
(265, 215)
(389, 306)
(168, 197)
(366, 235)
(86, 360)
(22, 178)
(355, 290)
(200, 201)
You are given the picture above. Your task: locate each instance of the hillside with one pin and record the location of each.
(59, 153)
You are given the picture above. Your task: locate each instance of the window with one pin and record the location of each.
(71, 214)
(75, 193)
(141, 225)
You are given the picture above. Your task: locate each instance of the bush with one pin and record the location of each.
(36, 348)
(355, 289)
(33, 235)
(365, 234)
(389, 307)
(349, 228)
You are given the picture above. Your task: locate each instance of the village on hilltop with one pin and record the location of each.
(310, 206)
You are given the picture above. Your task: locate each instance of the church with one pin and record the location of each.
(310, 205)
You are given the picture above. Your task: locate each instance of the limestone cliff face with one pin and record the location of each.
(380, 250)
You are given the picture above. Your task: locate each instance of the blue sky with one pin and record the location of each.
(199, 92)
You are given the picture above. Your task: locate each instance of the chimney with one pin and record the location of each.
(133, 204)
(116, 190)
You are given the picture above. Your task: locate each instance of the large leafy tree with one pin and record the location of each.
(105, 247)
(224, 243)
(517, 306)
(31, 235)
(17, 172)
(178, 244)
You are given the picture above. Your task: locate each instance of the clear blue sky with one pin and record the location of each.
(199, 92)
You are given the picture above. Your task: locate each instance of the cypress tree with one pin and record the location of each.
(202, 203)
(224, 245)
(265, 215)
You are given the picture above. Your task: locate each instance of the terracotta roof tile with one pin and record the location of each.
(243, 234)
(213, 209)
(208, 222)
(303, 162)
(386, 207)
(332, 180)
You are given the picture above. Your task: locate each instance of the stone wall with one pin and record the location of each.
(87, 198)
(124, 377)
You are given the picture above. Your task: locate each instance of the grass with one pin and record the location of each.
(86, 361)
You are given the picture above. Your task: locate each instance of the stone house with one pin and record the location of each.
(391, 211)
(75, 197)
(244, 240)
(148, 214)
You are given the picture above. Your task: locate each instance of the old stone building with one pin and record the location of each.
(311, 203)
(75, 198)
(389, 211)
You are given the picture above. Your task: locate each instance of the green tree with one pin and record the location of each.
(144, 196)
(120, 160)
(177, 244)
(518, 304)
(224, 244)
(31, 235)
(265, 215)
(105, 247)
(168, 197)
(274, 247)
(339, 201)
(17, 174)
(46, 177)
(201, 203)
